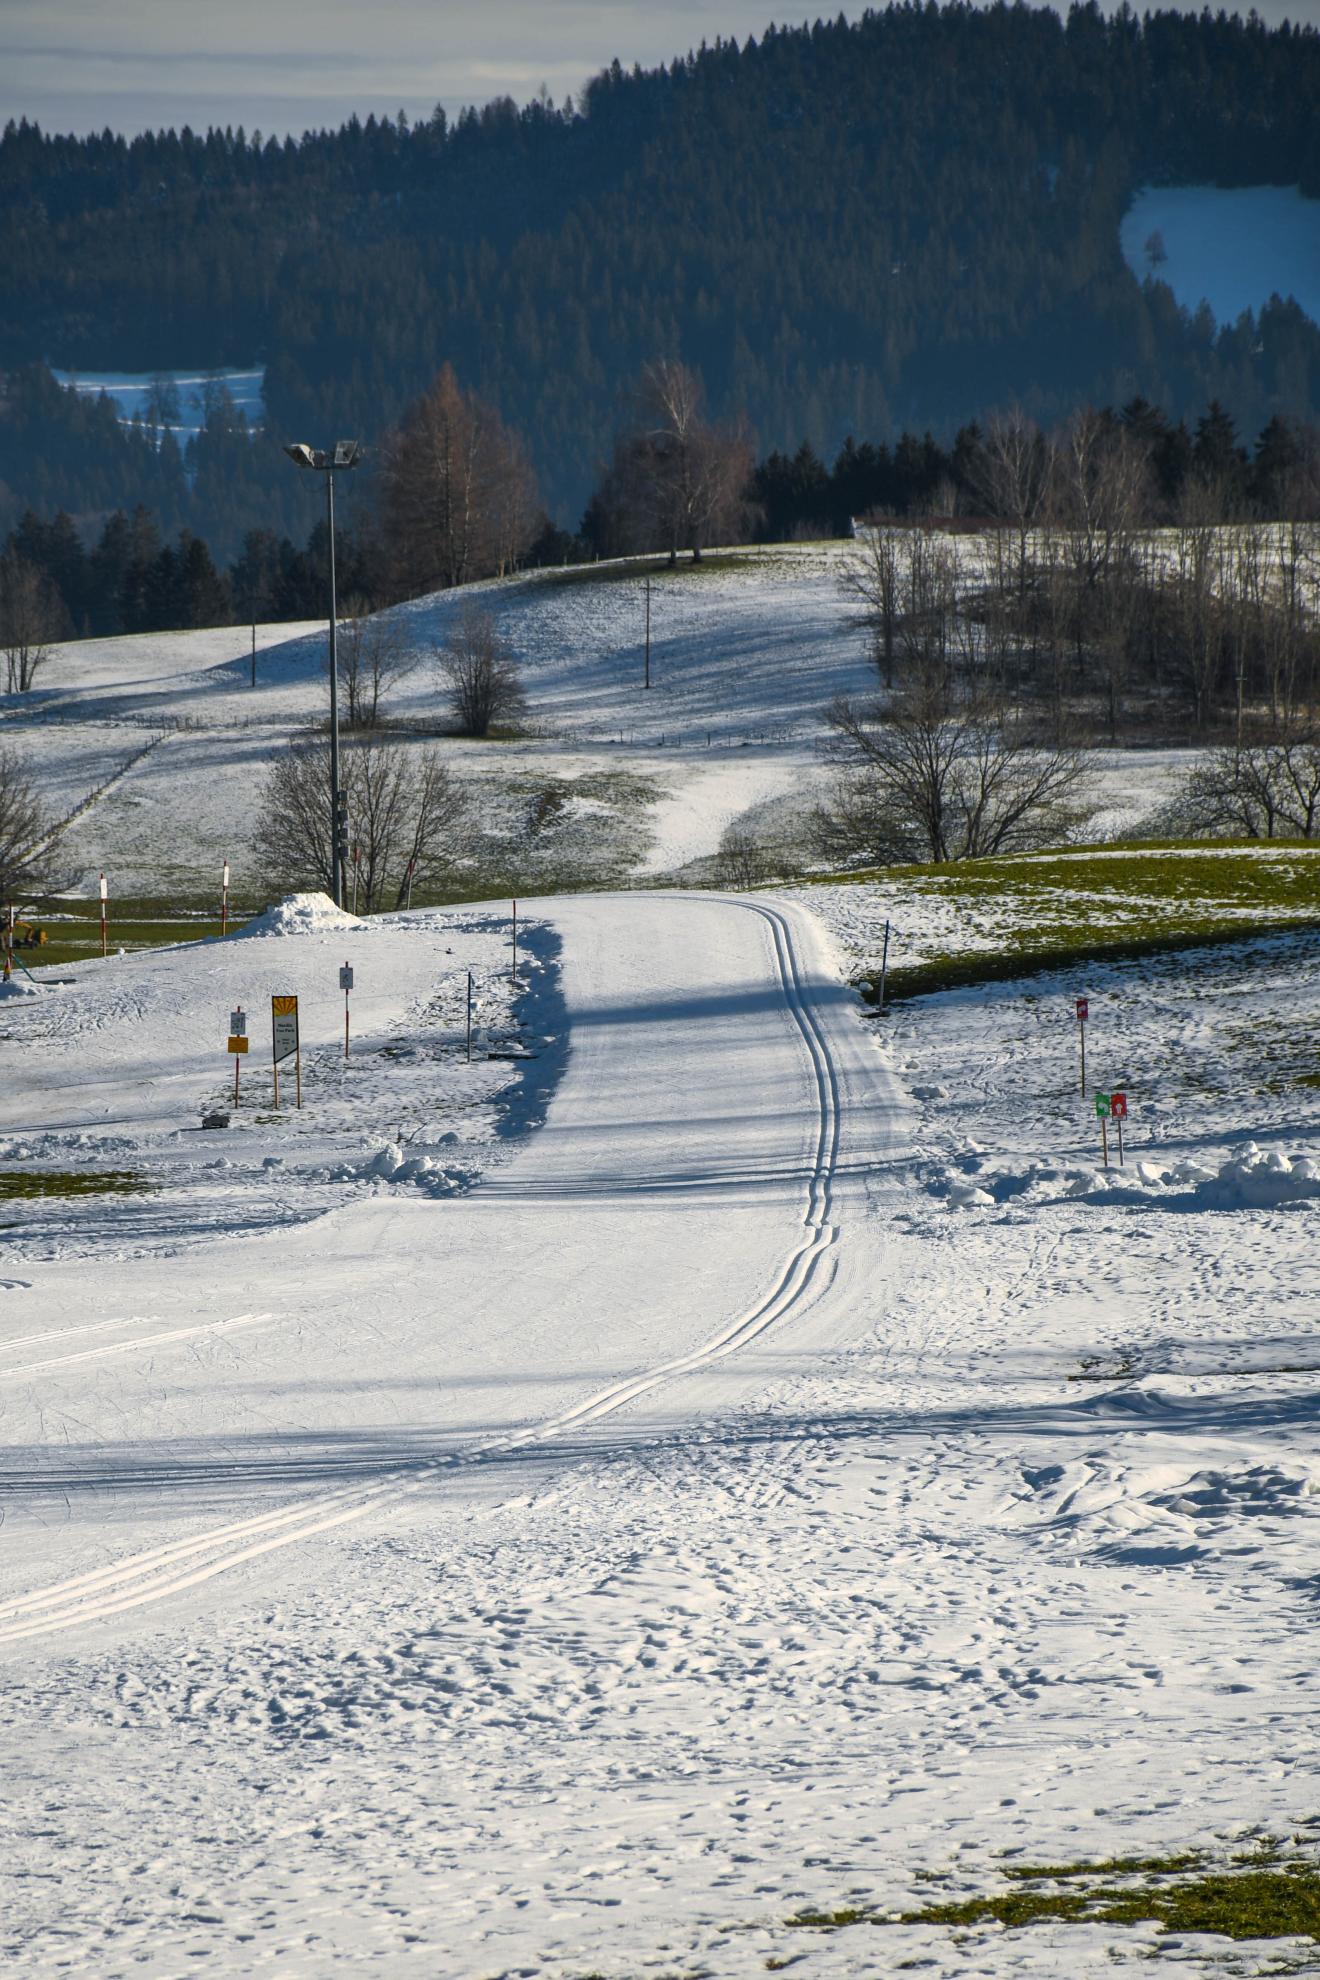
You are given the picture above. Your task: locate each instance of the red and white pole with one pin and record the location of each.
(224, 899)
(104, 894)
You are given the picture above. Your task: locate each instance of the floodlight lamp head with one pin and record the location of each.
(301, 454)
(347, 453)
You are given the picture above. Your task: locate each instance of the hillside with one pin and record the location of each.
(806, 218)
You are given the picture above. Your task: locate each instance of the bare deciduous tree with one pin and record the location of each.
(677, 481)
(1011, 471)
(1269, 791)
(374, 656)
(30, 621)
(457, 494)
(403, 804)
(481, 673)
(25, 829)
(944, 776)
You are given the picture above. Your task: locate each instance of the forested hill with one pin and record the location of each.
(846, 228)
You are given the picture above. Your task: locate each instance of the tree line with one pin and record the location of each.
(845, 227)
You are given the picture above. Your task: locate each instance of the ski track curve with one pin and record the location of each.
(170, 1570)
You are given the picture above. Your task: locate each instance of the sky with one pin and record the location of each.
(290, 65)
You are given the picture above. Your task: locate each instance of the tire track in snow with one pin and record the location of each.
(169, 1570)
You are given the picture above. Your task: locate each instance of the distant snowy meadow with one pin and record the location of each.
(132, 393)
(1230, 247)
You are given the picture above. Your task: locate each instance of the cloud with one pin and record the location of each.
(75, 65)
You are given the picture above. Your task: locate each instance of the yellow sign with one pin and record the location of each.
(238, 1044)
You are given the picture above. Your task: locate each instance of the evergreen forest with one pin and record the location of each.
(902, 222)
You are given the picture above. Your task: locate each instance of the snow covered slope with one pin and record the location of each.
(770, 1486)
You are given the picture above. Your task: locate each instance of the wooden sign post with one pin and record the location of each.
(1083, 1011)
(284, 1041)
(238, 1043)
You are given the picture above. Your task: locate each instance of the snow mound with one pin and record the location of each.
(300, 914)
(19, 987)
(1260, 1179)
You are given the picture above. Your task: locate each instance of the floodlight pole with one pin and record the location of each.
(336, 850)
(345, 454)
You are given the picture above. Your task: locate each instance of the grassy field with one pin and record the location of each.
(1256, 1894)
(982, 920)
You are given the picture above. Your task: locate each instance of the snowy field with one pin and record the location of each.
(1233, 247)
(131, 394)
(574, 1514)
(745, 656)
(715, 1458)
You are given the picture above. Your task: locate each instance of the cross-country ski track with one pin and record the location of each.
(715, 1062)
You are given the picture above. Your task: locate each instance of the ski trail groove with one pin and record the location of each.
(169, 1570)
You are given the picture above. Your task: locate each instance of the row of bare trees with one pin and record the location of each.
(1106, 624)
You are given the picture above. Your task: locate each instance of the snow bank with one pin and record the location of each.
(1255, 1179)
(1260, 1179)
(300, 914)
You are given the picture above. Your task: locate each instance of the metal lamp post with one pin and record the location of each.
(330, 462)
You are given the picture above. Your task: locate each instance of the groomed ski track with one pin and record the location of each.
(676, 1006)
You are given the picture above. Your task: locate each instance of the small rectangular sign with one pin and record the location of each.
(238, 1023)
(346, 977)
(1083, 1008)
(1118, 1106)
(237, 1043)
(284, 1027)
(1102, 1104)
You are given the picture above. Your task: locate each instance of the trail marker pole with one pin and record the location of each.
(238, 1043)
(407, 901)
(103, 902)
(1118, 1112)
(357, 861)
(1083, 1010)
(254, 653)
(513, 973)
(9, 941)
(346, 984)
(884, 966)
(284, 1041)
(1102, 1103)
(646, 677)
(469, 1018)
(224, 899)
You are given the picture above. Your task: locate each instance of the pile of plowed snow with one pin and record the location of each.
(300, 914)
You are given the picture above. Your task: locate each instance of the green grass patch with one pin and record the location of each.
(71, 1182)
(1002, 918)
(1257, 1897)
(73, 928)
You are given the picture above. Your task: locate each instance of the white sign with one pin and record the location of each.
(346, 977)
(238, 1024)
(284, 1027)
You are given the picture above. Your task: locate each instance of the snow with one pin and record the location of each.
(714, 1452)
(746, 655)
(685, 1520)
(1233, 247)
(130, 390)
